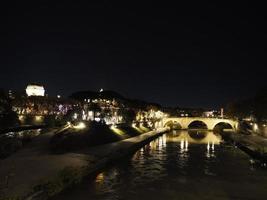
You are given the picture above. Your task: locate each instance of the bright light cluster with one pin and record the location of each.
(81, 125)
(35, 90)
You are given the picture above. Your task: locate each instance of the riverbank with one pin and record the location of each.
(35, 173)
(13, 142)
(254, 145)
(85, 134)
(22, 128)
(177, 165)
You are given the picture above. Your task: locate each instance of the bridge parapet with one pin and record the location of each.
(184, 122)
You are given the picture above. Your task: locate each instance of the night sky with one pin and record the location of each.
(193, 55)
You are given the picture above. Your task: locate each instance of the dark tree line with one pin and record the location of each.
(256, 107)
(8, 118)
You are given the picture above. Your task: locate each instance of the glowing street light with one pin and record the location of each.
(81, 125)
(68, 124)
(255, 127)
(75, 116)
(38, 118)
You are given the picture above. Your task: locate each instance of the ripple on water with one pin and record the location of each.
(178, 167)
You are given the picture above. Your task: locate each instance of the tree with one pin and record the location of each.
(8, 118)
(260, 105)
(53, 120)
(71, 113)
(128, 115)
(256, 106)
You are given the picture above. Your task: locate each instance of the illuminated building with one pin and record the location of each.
(35, 90)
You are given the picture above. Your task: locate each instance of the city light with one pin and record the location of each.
(81, 125)
(100, 178)
(136, 128)
(35, 90)
(255, 127)
(38, 118)
(97, 119)
(21, 118)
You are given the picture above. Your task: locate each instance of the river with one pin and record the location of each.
(177, 165)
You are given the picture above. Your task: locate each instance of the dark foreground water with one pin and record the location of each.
(178, 165)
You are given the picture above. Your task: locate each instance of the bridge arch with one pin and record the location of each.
(222, 125)
(168, 124)
(173, 124)
(177, 125)
(197, 124)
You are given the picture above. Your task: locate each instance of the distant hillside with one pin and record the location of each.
(108, 94)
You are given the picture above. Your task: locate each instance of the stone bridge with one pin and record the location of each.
(208, 123)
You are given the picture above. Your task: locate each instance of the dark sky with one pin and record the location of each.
(188, 54)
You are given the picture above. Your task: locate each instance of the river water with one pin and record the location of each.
(177, 165)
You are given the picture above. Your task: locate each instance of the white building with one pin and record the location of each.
(35, 90)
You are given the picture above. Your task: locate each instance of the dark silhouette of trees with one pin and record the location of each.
(260, 105)
(256, 107)
(8, 118)
(128, 115)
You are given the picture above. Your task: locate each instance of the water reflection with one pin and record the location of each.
(184, 145)
(210, 150)
(195, 137)
(152, 161)
(177, 165)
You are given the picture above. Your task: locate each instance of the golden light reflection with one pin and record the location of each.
(138, 129)
(137, 155)
(100, 178)
(153, 145)
(210, 150)
(81, 125)
(117, 131)
(184, 145)
(144, 129)
(209, 137)
(38, 118)
(162, 141)
(21, 118)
